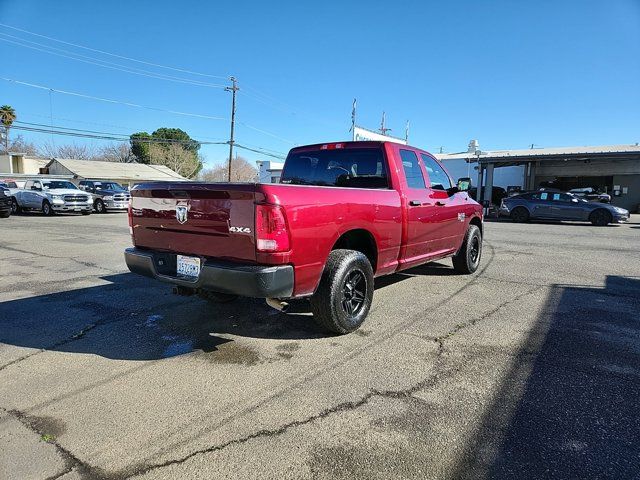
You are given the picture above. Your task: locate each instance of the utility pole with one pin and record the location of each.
(383, 130)
(233, 89)
(406, 133)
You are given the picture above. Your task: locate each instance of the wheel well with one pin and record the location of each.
(601, 210)
(361, 241)
(478, 223)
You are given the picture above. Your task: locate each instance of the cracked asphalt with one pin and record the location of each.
(528, 369)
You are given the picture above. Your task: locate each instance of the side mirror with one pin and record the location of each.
(464, 184)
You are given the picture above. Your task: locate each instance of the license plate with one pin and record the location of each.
(77, 209)
(188, 266)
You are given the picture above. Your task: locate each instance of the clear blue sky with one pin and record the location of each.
(508, 73)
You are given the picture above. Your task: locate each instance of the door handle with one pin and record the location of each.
(415, 203)
(440, 204)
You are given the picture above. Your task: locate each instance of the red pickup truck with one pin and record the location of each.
(342, 214)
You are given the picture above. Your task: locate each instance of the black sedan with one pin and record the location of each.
(5, 202)
(545, 205)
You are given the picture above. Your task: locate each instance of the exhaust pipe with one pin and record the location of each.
(278, 304)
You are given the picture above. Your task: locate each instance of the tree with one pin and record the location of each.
(141, 142)
(178, 158)
(20, 145)
(70, 150)
(116, 152)
(7, 117)
(241, 171)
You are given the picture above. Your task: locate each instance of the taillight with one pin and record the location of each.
(272, 234)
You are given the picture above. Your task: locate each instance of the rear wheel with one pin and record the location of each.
(99, 206)
(15, 208)
(46, 208)
(467, 259)
(600, 217)
(520, 215)
(343, 298)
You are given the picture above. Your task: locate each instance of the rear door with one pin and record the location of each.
(206, 220)
(563, 208)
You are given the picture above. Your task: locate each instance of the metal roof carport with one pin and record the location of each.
(607, 160)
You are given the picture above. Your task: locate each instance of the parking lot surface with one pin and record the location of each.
(528, 369)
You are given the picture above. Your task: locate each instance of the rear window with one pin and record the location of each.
(351, 167)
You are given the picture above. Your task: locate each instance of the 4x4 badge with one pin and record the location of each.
(181, 213)
(461, 217)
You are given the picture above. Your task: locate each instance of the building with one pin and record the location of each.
(21, 164)
(126, 174)
(614, 169)
(269, 171)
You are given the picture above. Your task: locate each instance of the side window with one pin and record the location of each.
(437, 176)
(37, 185)
(28, 185)
(563, 197)
(412, 170)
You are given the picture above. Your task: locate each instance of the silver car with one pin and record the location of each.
(545, 205)
(50, 196)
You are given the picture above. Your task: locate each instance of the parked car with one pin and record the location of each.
(342, 214)
(51, 196)
(552, 205)
(591, 194)
(5, 202)
(107, 195)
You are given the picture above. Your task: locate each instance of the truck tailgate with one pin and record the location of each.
(200, 219)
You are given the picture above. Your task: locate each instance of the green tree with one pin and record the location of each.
(7, 117)
(165, 137)
(140, 143)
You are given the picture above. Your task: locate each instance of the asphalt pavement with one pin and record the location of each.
(528, 369)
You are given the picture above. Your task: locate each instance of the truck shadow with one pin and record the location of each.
(134, 318)
(567, 406)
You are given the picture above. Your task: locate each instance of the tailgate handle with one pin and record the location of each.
(415, 203)
(440, 204)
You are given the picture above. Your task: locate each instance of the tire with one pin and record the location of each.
(99, 206)
(520, 215)
(467, 259)
(343, 298)
(600, 217)
(216, 297)
(6, 214)
(46, 208)
(15, 208)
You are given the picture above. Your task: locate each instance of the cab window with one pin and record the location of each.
(437, 176)
(412, 170)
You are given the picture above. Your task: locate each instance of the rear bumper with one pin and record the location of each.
(259, 281)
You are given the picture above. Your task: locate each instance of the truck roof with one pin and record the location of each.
(350, 144)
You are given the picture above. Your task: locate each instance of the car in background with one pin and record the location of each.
(5, 202)
(51, 196)
(497, 194)
(107, 195)
(591, 194)
(552, 205)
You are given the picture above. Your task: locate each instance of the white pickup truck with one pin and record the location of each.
(51, 196)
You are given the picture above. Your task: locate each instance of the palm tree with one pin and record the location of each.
(7, 117)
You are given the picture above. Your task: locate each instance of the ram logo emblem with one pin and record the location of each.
(181, 213)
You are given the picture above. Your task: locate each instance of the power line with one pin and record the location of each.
(96, 135)
(108, 100)
(104, 63)
(191, 72)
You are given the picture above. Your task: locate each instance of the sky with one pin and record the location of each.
(509, 74)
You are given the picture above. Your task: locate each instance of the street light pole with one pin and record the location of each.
(233, 89)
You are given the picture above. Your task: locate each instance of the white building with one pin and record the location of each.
(269, 171)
